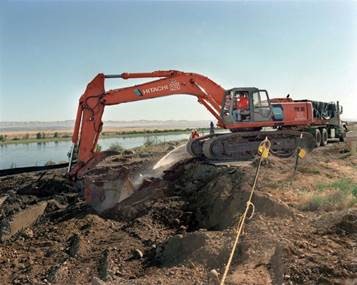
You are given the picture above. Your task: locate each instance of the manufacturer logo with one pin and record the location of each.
(172, 86)
(150, 90)
(137, 92)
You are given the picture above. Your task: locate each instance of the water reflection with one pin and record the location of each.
(38, 153)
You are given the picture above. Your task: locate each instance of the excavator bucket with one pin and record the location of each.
(177, 154)
(105, 191)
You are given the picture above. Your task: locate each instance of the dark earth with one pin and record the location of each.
(179, 227)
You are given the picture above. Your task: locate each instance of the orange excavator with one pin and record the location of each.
(246, 112)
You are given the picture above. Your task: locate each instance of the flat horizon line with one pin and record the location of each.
(138, 120)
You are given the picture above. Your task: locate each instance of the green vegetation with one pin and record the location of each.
(154, 131)
(98, 148)
(344, 185)
(48, 137)
(339, 194)
(40, 135)
(149, 141)
(32, 140)
(309, 170)
(116, 147)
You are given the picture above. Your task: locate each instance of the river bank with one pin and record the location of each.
(59, 136)
(40, 153)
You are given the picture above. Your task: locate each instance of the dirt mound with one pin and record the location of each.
(196, 195)
(216, 195)
(176, 228)
(210, 249)
(341, 222)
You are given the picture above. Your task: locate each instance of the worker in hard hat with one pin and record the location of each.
(194, 134)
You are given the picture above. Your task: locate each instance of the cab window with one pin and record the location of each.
(260, 99)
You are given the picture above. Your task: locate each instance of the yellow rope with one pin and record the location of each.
(263, 150)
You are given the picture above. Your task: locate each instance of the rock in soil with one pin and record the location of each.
(3, 199)
(103, 265)
(21, 220)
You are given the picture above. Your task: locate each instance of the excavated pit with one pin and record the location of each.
(196, 195)
(198, 203)
(174, 229)
(216, 195)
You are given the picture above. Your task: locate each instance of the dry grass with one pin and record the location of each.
(309, 170)
(337, 195)
(352, 126)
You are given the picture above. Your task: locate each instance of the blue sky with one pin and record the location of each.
(50, 50)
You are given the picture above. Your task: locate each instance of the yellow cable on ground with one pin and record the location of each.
(263, 150)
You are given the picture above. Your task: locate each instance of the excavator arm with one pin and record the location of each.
(89, 123)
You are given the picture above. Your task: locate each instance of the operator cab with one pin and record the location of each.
(246, 105)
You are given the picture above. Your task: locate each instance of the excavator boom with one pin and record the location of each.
(91, 106)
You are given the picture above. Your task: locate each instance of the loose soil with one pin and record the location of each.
(180, 225)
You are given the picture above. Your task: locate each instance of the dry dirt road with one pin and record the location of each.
(179, 226)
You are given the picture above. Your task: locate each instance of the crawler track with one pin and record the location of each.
(242, 146)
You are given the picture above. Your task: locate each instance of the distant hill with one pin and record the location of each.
(68, 125)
